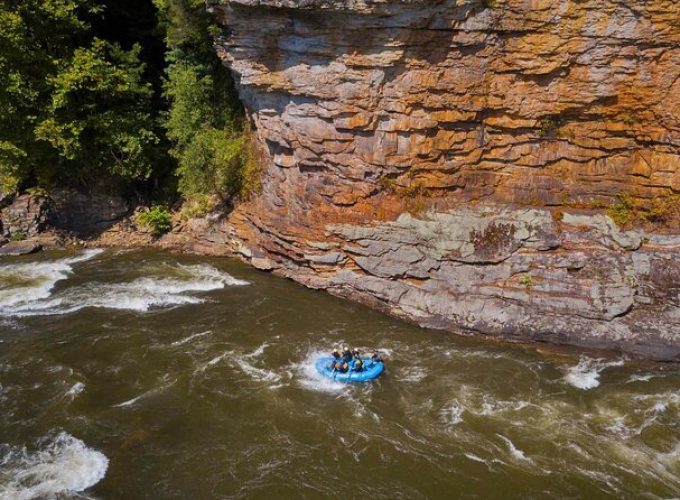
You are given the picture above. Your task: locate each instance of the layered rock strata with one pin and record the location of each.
(410, 149)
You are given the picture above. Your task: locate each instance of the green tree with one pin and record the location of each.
(73, 107)
(98, 119)
(31, 37)
(205, 121)
(131, 91)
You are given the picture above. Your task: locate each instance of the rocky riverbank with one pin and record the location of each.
(517, 273)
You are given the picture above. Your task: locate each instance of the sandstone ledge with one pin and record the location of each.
(509, 272)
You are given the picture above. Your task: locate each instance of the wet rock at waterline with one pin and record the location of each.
(510, 273)
(16, 248)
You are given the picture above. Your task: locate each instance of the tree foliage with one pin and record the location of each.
(93, 91)
(75, 107)
(204, 122)
(92, 118)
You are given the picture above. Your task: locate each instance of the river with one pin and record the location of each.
(143, 374)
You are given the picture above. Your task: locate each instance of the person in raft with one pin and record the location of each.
(337, 359)
(339, 364)
(358, 363)
(346, 354)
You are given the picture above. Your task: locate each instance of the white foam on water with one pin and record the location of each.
(188, 339)
(662, 466)
(492, 406)
(475, 458)
(669, 397)
(452, 414)
(257, 352)
(76, 389)
(139, 295)
(415, 374)
(644, 377)
(61, 465)
(601, 477)
(150, 392)
(311, 379)
(586, 374)
(254, 372)
(385, 352)
(659, 407)
(618, 426)
(26, 284)
(514, 451)
(212, 362)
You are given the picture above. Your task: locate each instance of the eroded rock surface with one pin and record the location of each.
(26, 216)
(548, 101)
(460, 111)
(86, 213)
(512, 273)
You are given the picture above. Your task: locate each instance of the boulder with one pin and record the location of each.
(14, 248)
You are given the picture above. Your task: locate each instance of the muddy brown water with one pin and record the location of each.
(142, 374)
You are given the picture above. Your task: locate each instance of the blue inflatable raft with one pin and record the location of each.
(371, 370)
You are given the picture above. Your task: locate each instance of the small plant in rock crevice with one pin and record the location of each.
(548, 126)
(622, 212)
(157, 219)
(664, 209)
(525, 280)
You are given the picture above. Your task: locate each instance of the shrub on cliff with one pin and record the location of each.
(623, 211)
(157, 219)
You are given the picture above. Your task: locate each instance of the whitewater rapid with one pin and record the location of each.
(29, 289)
(59, 464)
(23, 284)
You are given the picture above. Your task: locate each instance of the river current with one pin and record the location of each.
(142, 374)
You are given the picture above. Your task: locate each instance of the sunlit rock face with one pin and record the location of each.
(367, 110)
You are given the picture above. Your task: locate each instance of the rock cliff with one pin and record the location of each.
(448, 161)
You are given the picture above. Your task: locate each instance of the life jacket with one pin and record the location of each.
(358, 365)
